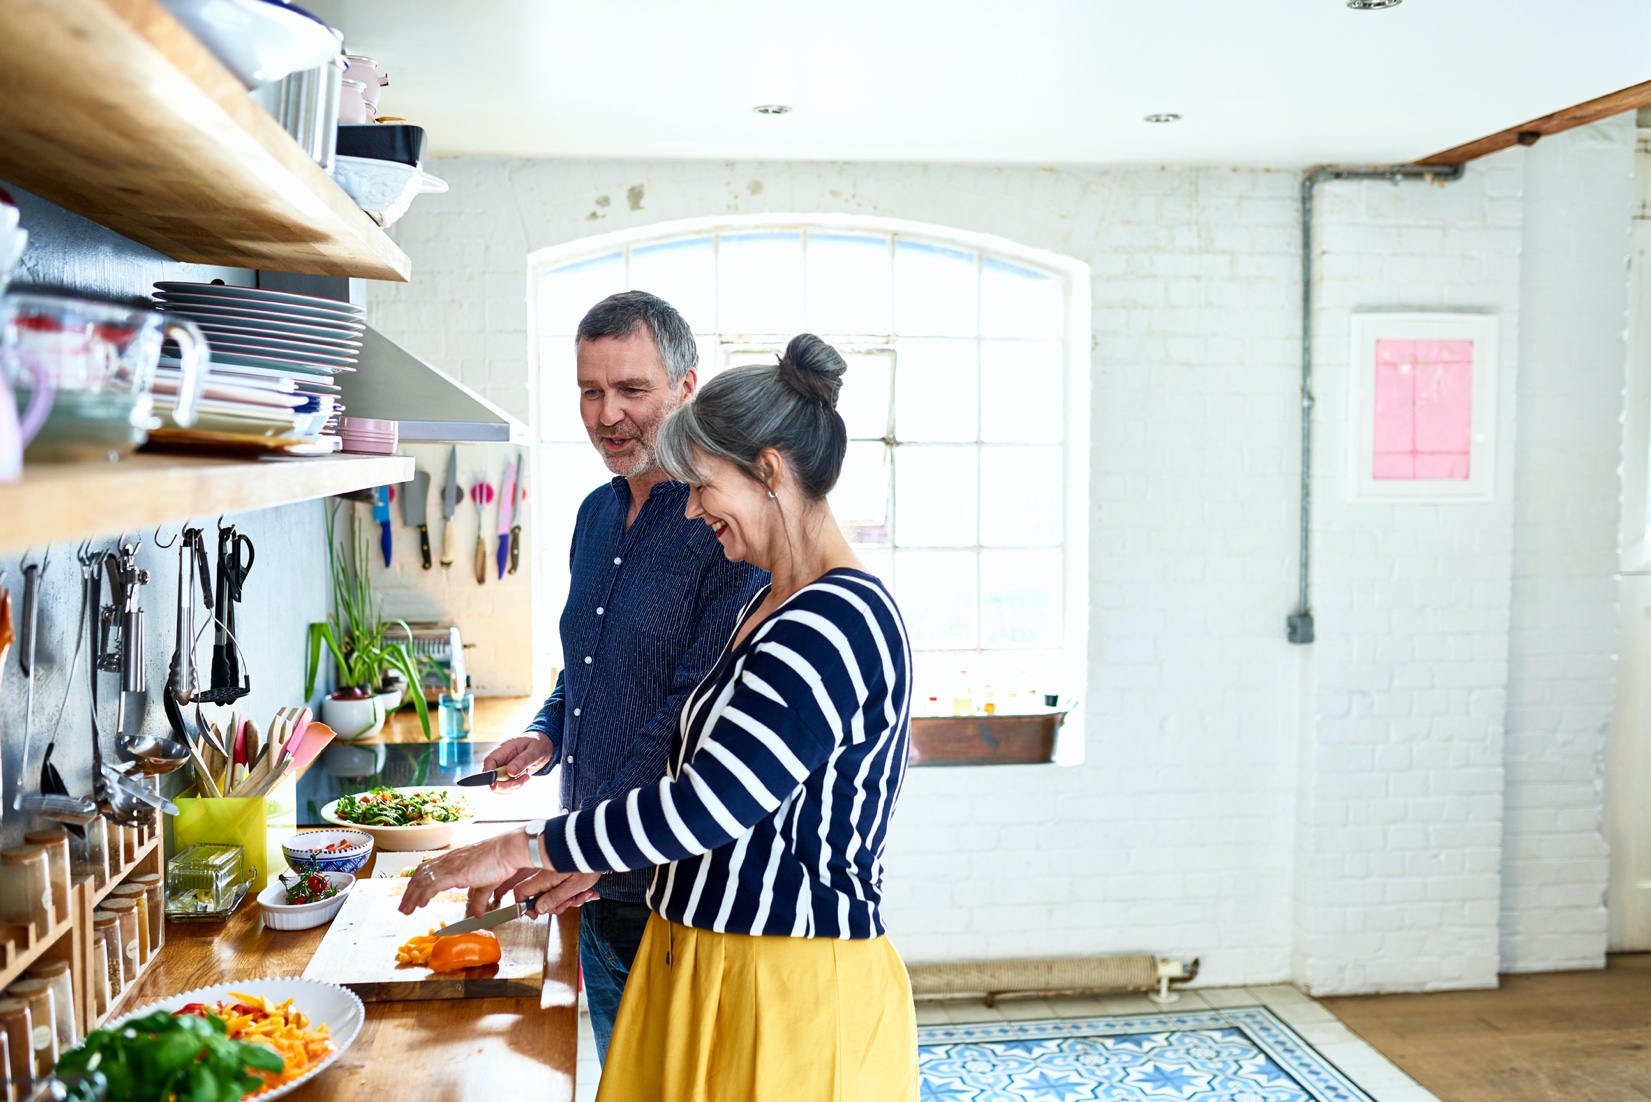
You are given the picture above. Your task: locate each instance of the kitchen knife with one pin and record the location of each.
(478, 780)
(516, 518)
(413, 503)
(451, 495)
(505, 497)
(481, 493)
(381, 513)
(496, 917)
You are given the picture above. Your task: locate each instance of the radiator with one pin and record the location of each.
(995, 979)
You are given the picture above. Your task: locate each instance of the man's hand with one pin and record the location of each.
(519, 758)
(561, 890)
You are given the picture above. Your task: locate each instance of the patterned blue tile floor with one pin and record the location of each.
(1236, 1054)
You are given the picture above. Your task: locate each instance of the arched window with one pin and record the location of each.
(966, 403)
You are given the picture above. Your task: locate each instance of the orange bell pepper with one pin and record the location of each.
(464, 951)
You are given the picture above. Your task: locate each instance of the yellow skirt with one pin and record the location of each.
(711, 1017)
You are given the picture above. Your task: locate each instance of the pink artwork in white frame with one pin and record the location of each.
(1423, 401)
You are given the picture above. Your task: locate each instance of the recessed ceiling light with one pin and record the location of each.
(1372, 5)
(772, 109)
(1167, 116)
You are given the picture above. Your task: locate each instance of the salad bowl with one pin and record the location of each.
(401, 819)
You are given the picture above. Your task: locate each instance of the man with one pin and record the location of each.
(651, 604)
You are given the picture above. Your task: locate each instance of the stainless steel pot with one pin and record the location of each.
(306, 105)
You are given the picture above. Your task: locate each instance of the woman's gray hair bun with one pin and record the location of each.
(790, 407)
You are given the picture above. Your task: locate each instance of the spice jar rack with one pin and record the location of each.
(131, 852)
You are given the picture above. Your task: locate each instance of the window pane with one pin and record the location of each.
(849, 284)
(1020, 678)
(880, 563)
(565, 293)
(936, 389)
(935, 290)
(567, 473)
(860, 500)
(760, 283)
(936, 593)
(684, 274)
(1022, 392)
(710, 358)
(934, 496)
(559, 392)
(864, 399)
(1019, 302)
(1020, 598)
(1020, 496)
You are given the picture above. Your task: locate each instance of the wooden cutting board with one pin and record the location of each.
(359, 949)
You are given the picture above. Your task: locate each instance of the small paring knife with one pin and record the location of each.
(496, 917)
(478, 780)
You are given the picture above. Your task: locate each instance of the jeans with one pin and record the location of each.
(610, 931)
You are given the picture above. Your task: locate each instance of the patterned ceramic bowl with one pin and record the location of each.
(311, 845)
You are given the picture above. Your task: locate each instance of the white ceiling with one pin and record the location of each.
(1266, 82)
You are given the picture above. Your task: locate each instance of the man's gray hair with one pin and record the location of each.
(622, 314)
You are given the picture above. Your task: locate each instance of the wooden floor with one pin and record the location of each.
(1571, 1036)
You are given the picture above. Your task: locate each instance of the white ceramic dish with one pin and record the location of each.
(338, 1008)
(258, 42)
(196, 306)
(281, 915)
(399, 839)
(283, 350)
(278, 363)
(286, 299)
(310, 846)
(385, 188)
(214, 328)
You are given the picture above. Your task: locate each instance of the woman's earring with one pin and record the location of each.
(770, 493)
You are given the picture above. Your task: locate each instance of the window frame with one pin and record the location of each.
(1077, 346)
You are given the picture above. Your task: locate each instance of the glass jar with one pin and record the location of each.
(42, 1022)
(8, 1089)
(154, 897)
(98, 973)
(56, 973)
(56, 843)
(92, 855)
(26, 888)
(135, 893)
(109, 926)
(126, 914)
(15, 1024)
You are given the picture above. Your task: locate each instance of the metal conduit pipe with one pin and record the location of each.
(1299, 624)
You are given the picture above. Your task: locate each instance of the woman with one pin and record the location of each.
(764, 973)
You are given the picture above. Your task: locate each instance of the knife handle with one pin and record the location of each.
(448, 538)
(386, 540)
(504, 551)
(481, 561)
(424, 544)
(515, 548)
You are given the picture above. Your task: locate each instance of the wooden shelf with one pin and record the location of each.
(58, 504)
(112, 109)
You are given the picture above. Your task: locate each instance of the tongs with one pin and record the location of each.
(229, 676)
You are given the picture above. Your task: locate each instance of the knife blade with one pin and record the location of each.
(505, 497)
(381, 513)
(496, 917)
(478, 780)
(451, 495)
(516, 517)
(413, 504)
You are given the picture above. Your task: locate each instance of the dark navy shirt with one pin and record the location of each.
(649, 611)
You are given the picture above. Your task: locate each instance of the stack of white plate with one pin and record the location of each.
(270, 341)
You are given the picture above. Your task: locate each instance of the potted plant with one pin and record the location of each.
(354, 634)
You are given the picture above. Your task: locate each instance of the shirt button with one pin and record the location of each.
(600, 610)
(617, 560)
(570, 759)
(576, 711)
(587, 659)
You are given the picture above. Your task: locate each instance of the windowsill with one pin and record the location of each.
(984, 740)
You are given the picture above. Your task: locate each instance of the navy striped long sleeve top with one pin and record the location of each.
(785, 769)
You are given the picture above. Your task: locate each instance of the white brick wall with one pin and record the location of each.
(1209, 735)
(1562, 650)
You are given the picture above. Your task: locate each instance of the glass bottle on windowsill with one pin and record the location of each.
(963, 702)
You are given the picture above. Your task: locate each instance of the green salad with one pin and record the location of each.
(389, 808)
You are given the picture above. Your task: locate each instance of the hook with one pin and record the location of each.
(166, 546)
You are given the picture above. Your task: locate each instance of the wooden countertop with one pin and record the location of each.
(494, 719)
(451, 1050)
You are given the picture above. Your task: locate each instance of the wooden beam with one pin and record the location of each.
(1615, 103)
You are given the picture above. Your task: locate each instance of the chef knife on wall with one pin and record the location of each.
(413, 502)
(506, 496)
(381, 513)
(451, 495)
(516, 517)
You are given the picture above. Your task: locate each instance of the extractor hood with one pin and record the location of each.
(432, 406)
